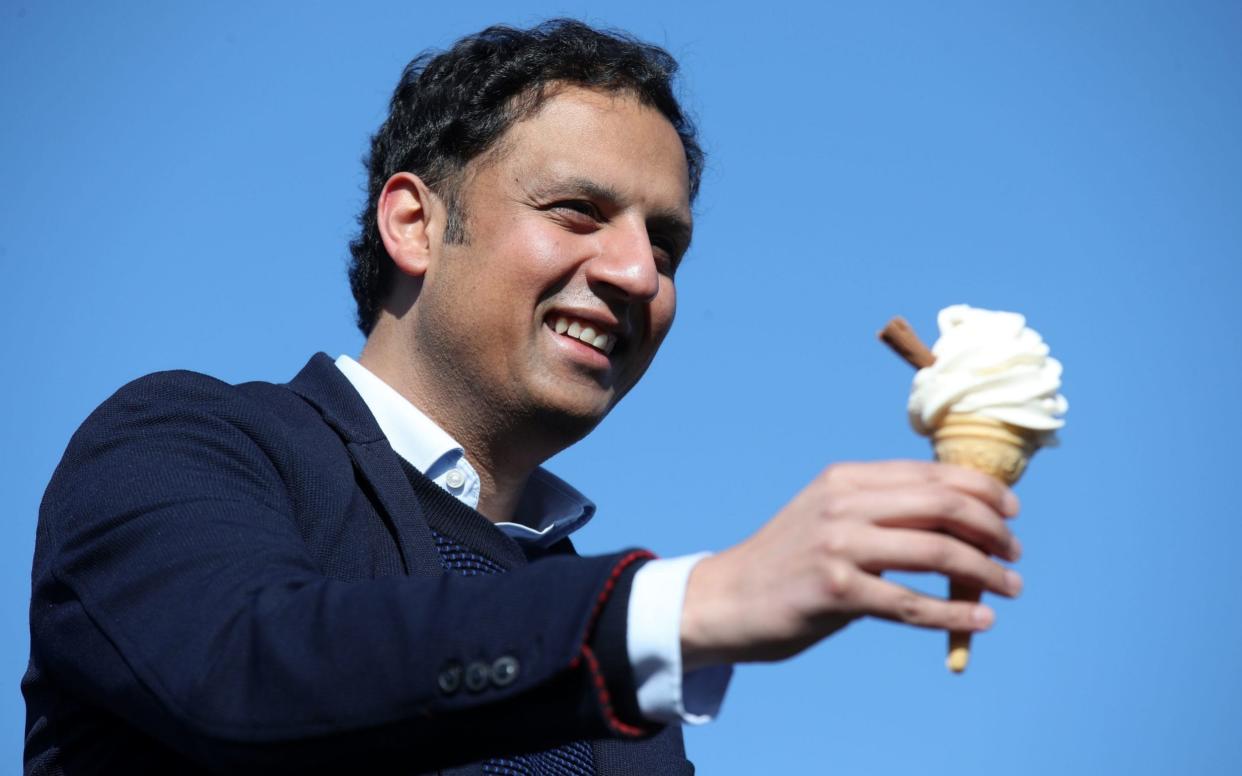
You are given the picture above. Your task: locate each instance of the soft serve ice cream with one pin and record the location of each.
(989, 364)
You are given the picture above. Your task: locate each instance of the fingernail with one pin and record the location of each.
(1015, 548)
(1013, 582)
(1010, 503)
(981, 616)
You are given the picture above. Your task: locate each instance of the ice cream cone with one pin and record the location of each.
(985, 445)
(994, 448)
(989, 362)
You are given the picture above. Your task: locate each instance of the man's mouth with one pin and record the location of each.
(584, 331)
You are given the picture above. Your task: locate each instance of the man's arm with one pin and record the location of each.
(173, 588)
(817, 565)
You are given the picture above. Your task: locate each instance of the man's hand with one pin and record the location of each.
(817, 565)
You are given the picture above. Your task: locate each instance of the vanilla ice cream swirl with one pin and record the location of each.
(989, 363)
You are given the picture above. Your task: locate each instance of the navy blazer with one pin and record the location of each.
(242, 579)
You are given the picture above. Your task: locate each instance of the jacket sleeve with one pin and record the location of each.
(172, 587)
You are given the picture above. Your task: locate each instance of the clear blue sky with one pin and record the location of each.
(180, 182)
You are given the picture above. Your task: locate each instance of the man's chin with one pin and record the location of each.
(572, 419)
(572, 422)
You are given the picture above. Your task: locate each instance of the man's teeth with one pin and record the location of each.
(586, 333)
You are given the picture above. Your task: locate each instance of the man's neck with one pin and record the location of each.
(502, 474)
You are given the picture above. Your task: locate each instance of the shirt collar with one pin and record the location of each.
(414, 436)
(549, 509)
(551, 504)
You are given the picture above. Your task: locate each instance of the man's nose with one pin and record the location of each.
(626, 264)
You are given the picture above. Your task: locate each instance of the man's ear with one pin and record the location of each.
(404, 214)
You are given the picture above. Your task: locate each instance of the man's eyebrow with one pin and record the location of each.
(583, 186)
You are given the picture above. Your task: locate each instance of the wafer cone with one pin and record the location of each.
(994, 448)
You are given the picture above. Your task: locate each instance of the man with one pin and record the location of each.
(367, 569)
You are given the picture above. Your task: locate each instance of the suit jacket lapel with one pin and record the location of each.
(323, 386)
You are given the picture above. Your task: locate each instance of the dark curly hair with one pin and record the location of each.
(452, 106)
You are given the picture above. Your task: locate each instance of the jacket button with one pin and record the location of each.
(477, 676)
(504, 671)
(449, 679)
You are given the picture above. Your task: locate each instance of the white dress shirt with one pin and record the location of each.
(548, 511)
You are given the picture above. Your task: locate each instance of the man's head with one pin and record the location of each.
(521, 255)
(453, 108)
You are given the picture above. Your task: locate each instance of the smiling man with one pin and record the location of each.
(552, 301)
(367, 568)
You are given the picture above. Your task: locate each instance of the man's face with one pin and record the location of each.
(574, 227)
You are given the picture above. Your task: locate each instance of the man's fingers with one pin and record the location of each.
(890, 474)
(932, 508)
(890, 601)
(902, 550)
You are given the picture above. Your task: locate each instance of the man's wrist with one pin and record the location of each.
(701, 643)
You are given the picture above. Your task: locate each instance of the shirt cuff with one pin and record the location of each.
(653, 641)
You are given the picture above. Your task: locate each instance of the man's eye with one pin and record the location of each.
(580, 206)
(665, 257)
(667, 250)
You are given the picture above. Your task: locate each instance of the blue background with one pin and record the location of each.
(180, 183)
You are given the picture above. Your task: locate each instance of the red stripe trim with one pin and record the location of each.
(605, 700)
(610, 584)
(597, 676)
